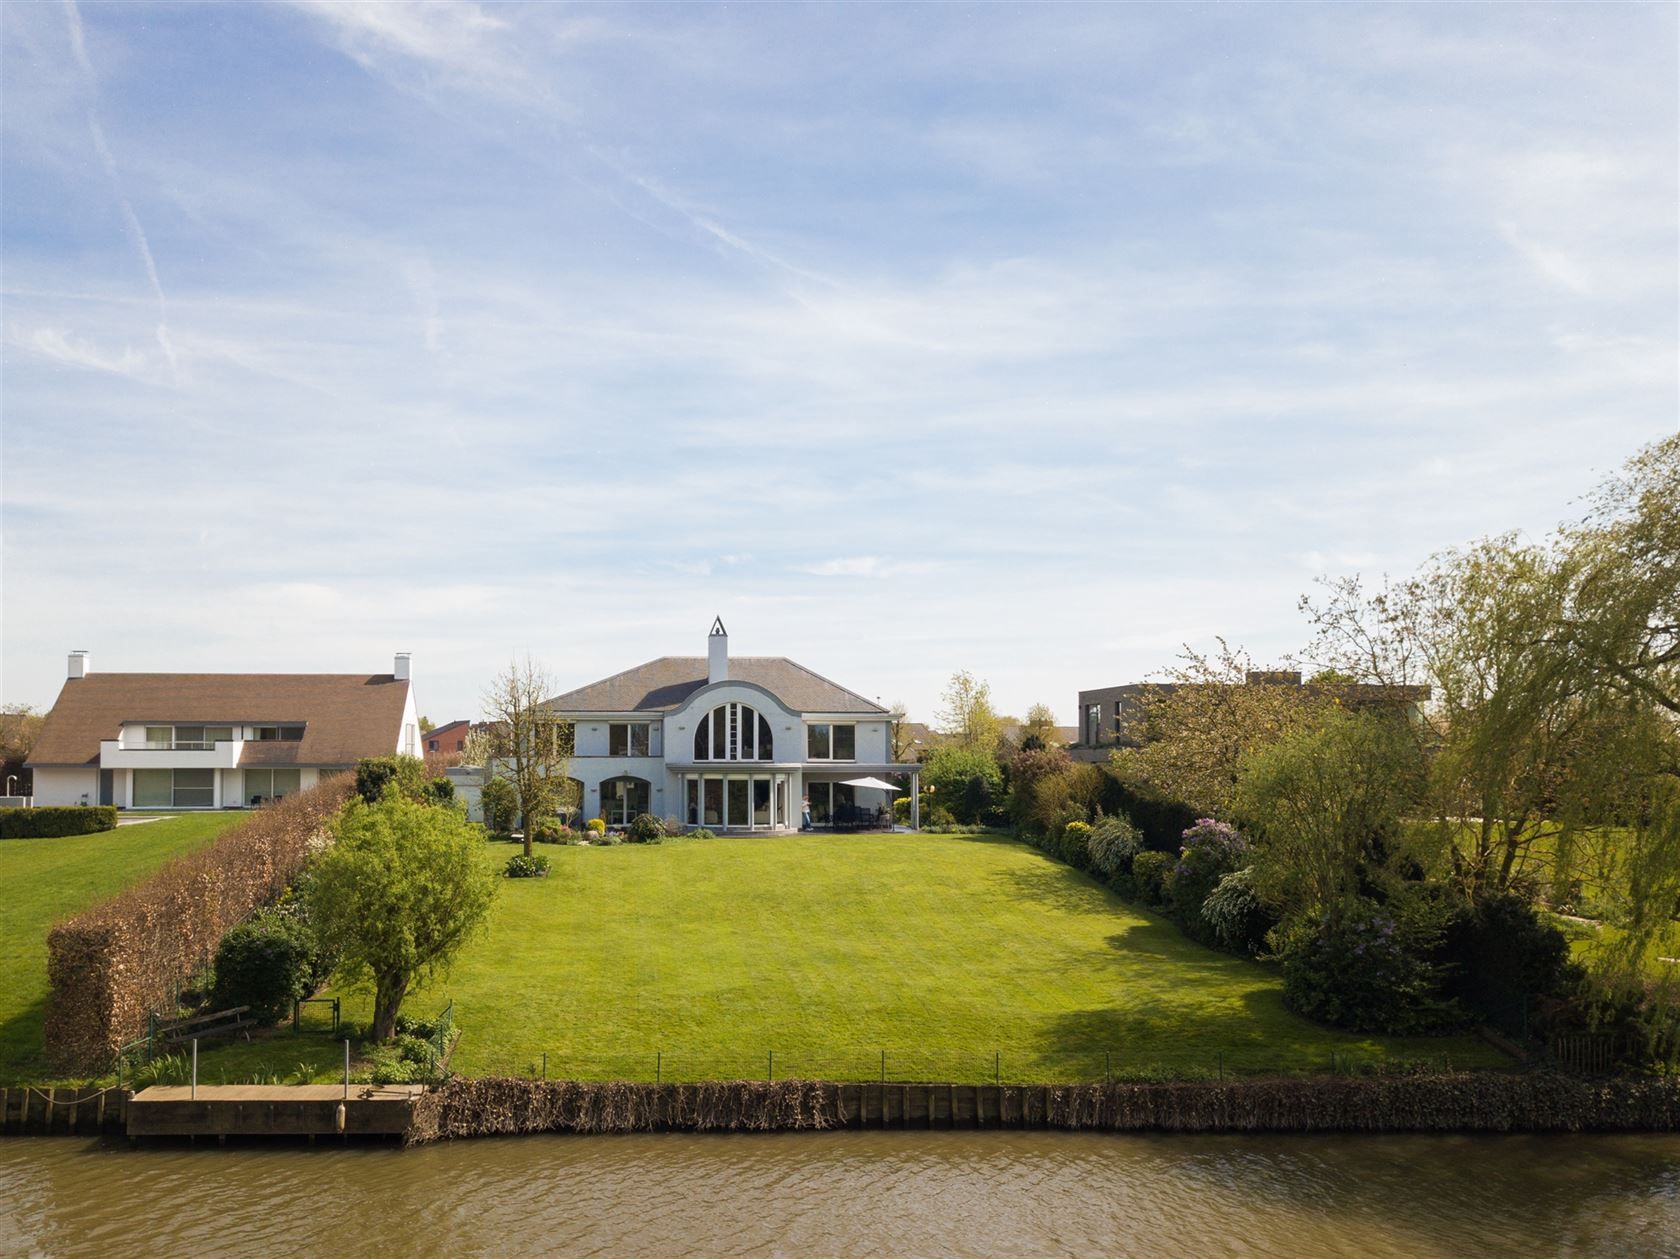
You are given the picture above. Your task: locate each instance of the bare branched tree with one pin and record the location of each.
(529, 747)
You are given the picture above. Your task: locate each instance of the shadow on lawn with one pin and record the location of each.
(23, 1050)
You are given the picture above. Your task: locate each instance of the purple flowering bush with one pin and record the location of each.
(1366, 969)
(1211, 850)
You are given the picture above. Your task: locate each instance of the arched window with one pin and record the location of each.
(734, 732)
(623, 798)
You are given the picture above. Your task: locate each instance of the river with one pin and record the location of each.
(852, 1194)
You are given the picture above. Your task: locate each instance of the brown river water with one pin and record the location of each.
(852, 1193)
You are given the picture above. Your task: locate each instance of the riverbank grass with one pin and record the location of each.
(44, 880)
(962, 958)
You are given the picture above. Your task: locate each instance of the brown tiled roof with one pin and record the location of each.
(345, 715)
(661, 685)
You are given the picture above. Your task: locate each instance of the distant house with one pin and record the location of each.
(448, 738)
(214, 740)
(1112, 717)
(729, 743)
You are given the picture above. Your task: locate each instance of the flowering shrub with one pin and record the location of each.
(1211, 850)
(1235, 915)
(1113, 843)
(596, 825)
(1365, 969)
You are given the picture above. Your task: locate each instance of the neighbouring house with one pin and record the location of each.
(1113, 716)
(214, 740)
(731, 744)
(447, 739)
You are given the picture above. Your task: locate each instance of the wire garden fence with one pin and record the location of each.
(934, 1066)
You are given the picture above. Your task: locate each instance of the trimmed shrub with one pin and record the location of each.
(116, 962)
(52, 821)
(701, 832)
(645, 829)
(520, 866)
(1150, 873)
(1113, 843)
(1076, 839)
(1161, 821)
(1211, 850)
(266, 963)
(596, 826)
(1235, 916)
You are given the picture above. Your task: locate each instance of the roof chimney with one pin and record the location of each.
(400, 668)
(81, 664)
(717, 653)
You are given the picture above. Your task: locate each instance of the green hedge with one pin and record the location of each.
(57, 819)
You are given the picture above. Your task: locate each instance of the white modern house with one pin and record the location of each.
(214, 740)
(730, 744)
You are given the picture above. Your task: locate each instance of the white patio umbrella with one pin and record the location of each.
(871, 782)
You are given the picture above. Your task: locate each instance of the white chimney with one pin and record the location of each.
(400, 668)
(81, 664)
(717, 653)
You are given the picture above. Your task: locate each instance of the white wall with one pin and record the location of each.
(410, 719)
(66, 786)
(787, 734)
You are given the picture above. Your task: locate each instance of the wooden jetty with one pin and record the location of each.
(272, 1110)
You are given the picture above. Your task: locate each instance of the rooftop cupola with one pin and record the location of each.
(717, 653)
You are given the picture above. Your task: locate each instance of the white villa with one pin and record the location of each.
(214, 740)
(730, 744)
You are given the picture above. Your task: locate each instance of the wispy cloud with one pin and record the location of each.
(131, 220)
(1057, 342)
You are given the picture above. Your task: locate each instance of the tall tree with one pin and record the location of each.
(967, 714)
(1196, 727)
(397, 894)
(1325, 805)
(1041, 725)
(530, 747)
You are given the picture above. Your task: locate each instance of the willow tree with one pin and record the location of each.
(530, 748)
(395, 897)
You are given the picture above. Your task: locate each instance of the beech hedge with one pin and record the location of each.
(111, 965)
(54, 820)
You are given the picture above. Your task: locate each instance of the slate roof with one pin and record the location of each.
(662, 685)
(345, 716)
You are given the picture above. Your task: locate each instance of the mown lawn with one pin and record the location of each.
(43, 880)
(702, 958)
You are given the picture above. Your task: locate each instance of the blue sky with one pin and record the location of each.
(1033, 340)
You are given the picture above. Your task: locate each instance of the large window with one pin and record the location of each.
(188, 738)
(174, 788)
(738, 802)
(828, 742)
(627, 738)
(623, 798)
(263, 785)
(826, 798)
(734, 732)
(277, 734)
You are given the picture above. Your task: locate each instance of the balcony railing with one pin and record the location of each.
(179, 745)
